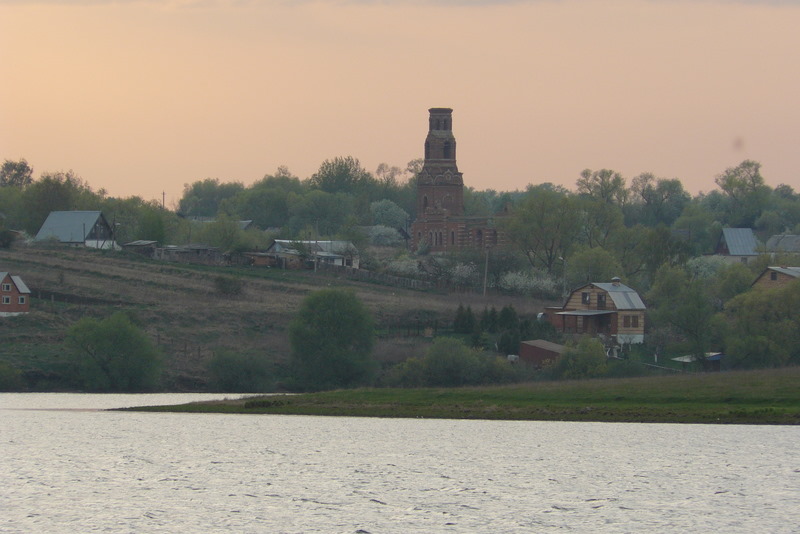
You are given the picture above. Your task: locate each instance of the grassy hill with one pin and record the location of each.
(182, 310)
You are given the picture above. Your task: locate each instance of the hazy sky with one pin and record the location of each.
(140, 97)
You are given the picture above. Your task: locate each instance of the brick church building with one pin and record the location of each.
(441, 225)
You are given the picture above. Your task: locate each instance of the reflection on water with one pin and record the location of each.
(76, 471)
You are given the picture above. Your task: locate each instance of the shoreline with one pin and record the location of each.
(766, 397)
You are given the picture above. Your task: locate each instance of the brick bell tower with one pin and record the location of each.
(440, 187)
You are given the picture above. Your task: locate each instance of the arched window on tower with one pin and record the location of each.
(447, 150)
(427, 150)
(424, 203)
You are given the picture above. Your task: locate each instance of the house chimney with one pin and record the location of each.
(615, 281)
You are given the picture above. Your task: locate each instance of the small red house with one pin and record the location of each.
(14, 295)
(539, 352)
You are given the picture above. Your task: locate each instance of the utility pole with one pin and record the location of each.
(485, 271)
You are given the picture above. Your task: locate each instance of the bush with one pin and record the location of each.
(239, 373)
(113, 354)
(586, 360)
(10, 377)
(332, 337)
(451, 363)
(228, 286)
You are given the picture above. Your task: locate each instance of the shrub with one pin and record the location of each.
(228, 286)
(10, 377)
(113, 354)
(332, 337)
(239, 373)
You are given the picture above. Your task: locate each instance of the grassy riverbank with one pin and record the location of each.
(745, 397)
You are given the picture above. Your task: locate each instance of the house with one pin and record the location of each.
(288, 254)
(612, 310)
(142, 246)
(15, 296)
(783, 244)
(540, 352)
(737, 244)
(78, 228)
(776, 277)
(192, 253)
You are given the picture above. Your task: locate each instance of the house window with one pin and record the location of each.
(452, 237)
(22, 300)
(586, 298)
(6, 300)
(6, 287)
(635, 321)
(773, 275)
(626, 321)
(601, 301)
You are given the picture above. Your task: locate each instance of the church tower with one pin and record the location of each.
(440, 187)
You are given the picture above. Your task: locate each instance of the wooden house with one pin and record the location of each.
(78, 228)
(776, 277)
(15, 297)
(611, 310)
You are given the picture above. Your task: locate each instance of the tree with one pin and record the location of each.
(604, 185)
(657, 200)
(684, 304)
(113, 354)
(15, 173)
(543, 226)
(748, 194)
(763, 327)
(59, 191)
(592, 265)
(332, 337)
(387, 213)
(341, 175)
(203, 198)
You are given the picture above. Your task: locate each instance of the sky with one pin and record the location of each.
(140, 97)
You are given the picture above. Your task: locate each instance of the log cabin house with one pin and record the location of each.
(612, 310)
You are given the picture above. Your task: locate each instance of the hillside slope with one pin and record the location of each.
(181, 309)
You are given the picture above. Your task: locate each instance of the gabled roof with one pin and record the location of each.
(624, 297)
(790, 271)
(69, 226)
(784, 243)
(16, 280)
(740, 241)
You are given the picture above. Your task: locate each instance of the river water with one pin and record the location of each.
(66, 466)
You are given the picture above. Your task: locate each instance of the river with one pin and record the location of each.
(68, 466)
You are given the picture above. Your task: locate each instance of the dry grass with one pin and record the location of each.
(180, 308)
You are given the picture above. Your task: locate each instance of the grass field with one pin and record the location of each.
(180, 308)
(743, 397)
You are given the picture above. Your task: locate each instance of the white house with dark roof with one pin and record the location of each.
(612, 310)
(78, 228)
(738, 244)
